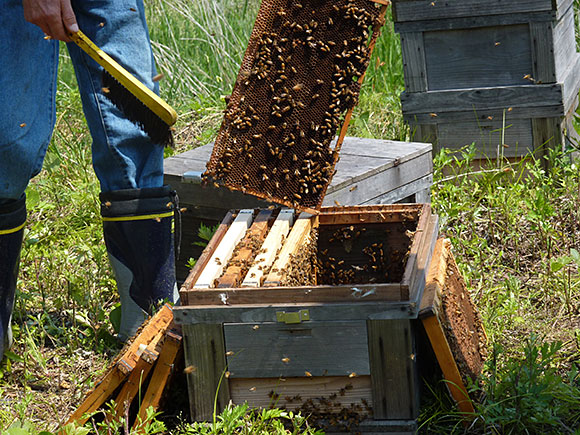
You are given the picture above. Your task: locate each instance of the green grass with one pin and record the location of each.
(514, 230)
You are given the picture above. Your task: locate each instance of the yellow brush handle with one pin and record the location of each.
(138, 89)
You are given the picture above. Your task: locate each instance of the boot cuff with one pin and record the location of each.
(13, 215)
(137, 202)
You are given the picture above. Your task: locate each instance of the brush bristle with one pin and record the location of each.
(137, 112)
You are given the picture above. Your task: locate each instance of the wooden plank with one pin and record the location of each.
(414, 64)
(483, 116)
(547, 134)
(123, 365)
(310, 294)
(473, 22)
(503, 57)
(417, 284)
(419, 189)
(394, 377)
(299, 236)
(542, 45)
(487, 136)
(350, 217)
(205, 360)
(447, 364)
(380, 148)
(303, 350)
(160, 377)
(257, 392)
(206, 256)
(273, 242)
(354, 310)
(224, 250)
(420, 231)
(435, 10)
(564, 44)
(571, 84)
(100, 393)
(148, 333)
(257, 232)
(499, 97)
(133, 385)
(360, 190)
(435, 279)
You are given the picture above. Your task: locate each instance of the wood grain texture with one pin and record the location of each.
(205, 361)
(414, 64)
(487, 136)
(206, 256)
(482, 116)
(299, 236)
(421, 232)
(308, 349)
(431, 300)
(256, 313)
(424, 256)
(223, 252)
(473, 22)
(447, 364)
(256, 233)
(159, 378)
(310, 294)
(542, 45)
(377, 182)
(499, 97)
(416, 10)
(418, 191)
(394, 376)
(269, 249)
(100, 393)
(257, 392)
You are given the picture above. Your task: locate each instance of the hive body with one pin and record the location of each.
(502, 74)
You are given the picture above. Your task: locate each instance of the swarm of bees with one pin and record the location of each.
(298, 78)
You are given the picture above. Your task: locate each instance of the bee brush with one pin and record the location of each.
(139, 103)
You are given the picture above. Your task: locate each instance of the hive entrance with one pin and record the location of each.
(300, 74)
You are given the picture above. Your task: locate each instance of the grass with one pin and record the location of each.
(514, 229)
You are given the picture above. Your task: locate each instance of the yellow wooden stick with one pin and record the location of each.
(138, 89)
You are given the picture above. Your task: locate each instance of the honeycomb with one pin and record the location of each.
(300, 76)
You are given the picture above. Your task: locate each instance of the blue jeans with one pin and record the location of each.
(123, 156)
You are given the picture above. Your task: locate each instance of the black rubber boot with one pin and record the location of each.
(12, 221)
(138, 227)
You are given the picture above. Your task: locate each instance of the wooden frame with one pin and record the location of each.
(213, 317)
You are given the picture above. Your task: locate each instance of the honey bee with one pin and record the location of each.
(286, 360)
(189, 369)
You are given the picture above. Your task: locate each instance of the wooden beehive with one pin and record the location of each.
(333, 350)
(502, 73)
(370, 171)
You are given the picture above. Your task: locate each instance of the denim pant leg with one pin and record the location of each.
(123, 156)
(28, 68)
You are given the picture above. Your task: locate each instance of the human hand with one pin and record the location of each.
(55, 17)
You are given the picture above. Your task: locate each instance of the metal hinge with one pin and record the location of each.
(293, 317)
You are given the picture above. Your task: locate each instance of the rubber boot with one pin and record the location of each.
(138, 227)
(12, 221)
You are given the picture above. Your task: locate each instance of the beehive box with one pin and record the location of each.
(503, 73)
(327, 329)
(370, 171)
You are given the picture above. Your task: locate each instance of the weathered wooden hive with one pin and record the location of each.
(316, 313)
(502, 73)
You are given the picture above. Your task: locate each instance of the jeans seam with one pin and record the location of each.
(101, 115)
